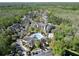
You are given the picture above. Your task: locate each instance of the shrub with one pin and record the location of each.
(5, 42)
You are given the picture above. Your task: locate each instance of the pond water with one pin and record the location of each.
(38, 36)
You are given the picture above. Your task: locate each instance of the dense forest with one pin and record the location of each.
(64, 15)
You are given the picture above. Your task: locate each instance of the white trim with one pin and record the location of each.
(39, 0)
